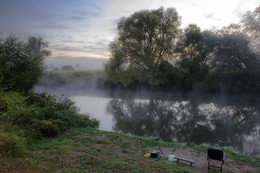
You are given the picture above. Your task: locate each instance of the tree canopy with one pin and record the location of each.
(21, 63)
(251, 25)
(151, 49)
(144, 39)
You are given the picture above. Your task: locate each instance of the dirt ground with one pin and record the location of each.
(96, 151)
(201, 162)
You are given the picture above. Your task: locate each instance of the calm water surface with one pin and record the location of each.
(232, 121)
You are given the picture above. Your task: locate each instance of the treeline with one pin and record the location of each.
(152, 51)
(69, 81)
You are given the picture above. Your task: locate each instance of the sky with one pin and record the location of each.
(83, 29)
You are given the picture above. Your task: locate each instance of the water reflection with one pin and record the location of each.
(235, 125)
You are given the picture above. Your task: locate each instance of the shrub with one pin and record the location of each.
(85, 120)
(41, 114)
(11, 144)
(3, 106)
(37, 99)
(65, 119)
(48, 129)
(21, 63)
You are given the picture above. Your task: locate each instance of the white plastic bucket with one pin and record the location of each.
(171, 158)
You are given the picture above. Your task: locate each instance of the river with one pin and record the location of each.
(218, 120)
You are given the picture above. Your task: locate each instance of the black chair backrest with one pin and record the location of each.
(215, 154)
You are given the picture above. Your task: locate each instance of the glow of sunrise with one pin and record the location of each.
(84, 28)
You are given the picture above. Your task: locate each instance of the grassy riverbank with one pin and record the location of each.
(91, 150)
(43, 133)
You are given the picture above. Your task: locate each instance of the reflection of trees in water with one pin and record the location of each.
(186, 121)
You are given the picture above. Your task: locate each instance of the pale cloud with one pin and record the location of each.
(85, 28)
(204, 13)
(222, 12)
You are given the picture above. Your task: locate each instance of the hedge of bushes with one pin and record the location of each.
(24, 119)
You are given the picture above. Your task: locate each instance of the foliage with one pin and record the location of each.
(192, 50)
(59, 113)
(233, 61)
(40, 115)
(165, 75)
(224, 60)
(11, 144)
(251, 25)
(231, 53)
(47, 128)
(21, 63)
(145, 39)
(191, 44)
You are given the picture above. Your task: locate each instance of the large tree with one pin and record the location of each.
(193, 53)
(21, 63)
(144, 39)
(251, 21)
(234, 67)
(251, 25)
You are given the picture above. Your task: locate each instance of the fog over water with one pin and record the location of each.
(217, 120)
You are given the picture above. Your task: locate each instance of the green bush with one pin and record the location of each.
(12, 144)
(41, 114)
(21, 63)
(63, 125)
(37, 99)
(48, 129)
(12, 101)
(66, 119)
(63, 113)
(84, 121)
(3, 106)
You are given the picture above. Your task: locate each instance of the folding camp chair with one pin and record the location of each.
(214, 154)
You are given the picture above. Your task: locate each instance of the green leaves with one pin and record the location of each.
(146, 37)
(21, 63)
(41, 114)
(144, 40)
(151, 50)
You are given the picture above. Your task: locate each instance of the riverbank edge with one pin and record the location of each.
(64, 142)
(92, 150)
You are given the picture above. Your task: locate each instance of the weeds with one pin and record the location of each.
(25, 120)
(11, 144)
(42, 115)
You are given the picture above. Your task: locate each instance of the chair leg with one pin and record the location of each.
(208, 164)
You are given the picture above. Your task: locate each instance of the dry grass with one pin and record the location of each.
(18, 165)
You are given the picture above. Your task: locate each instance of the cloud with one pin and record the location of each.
(210, 16)
(94, 48)
(86, 27)
(80, 15)
(75, 18)
(76, 47)
(86, 13)
(53, 25)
